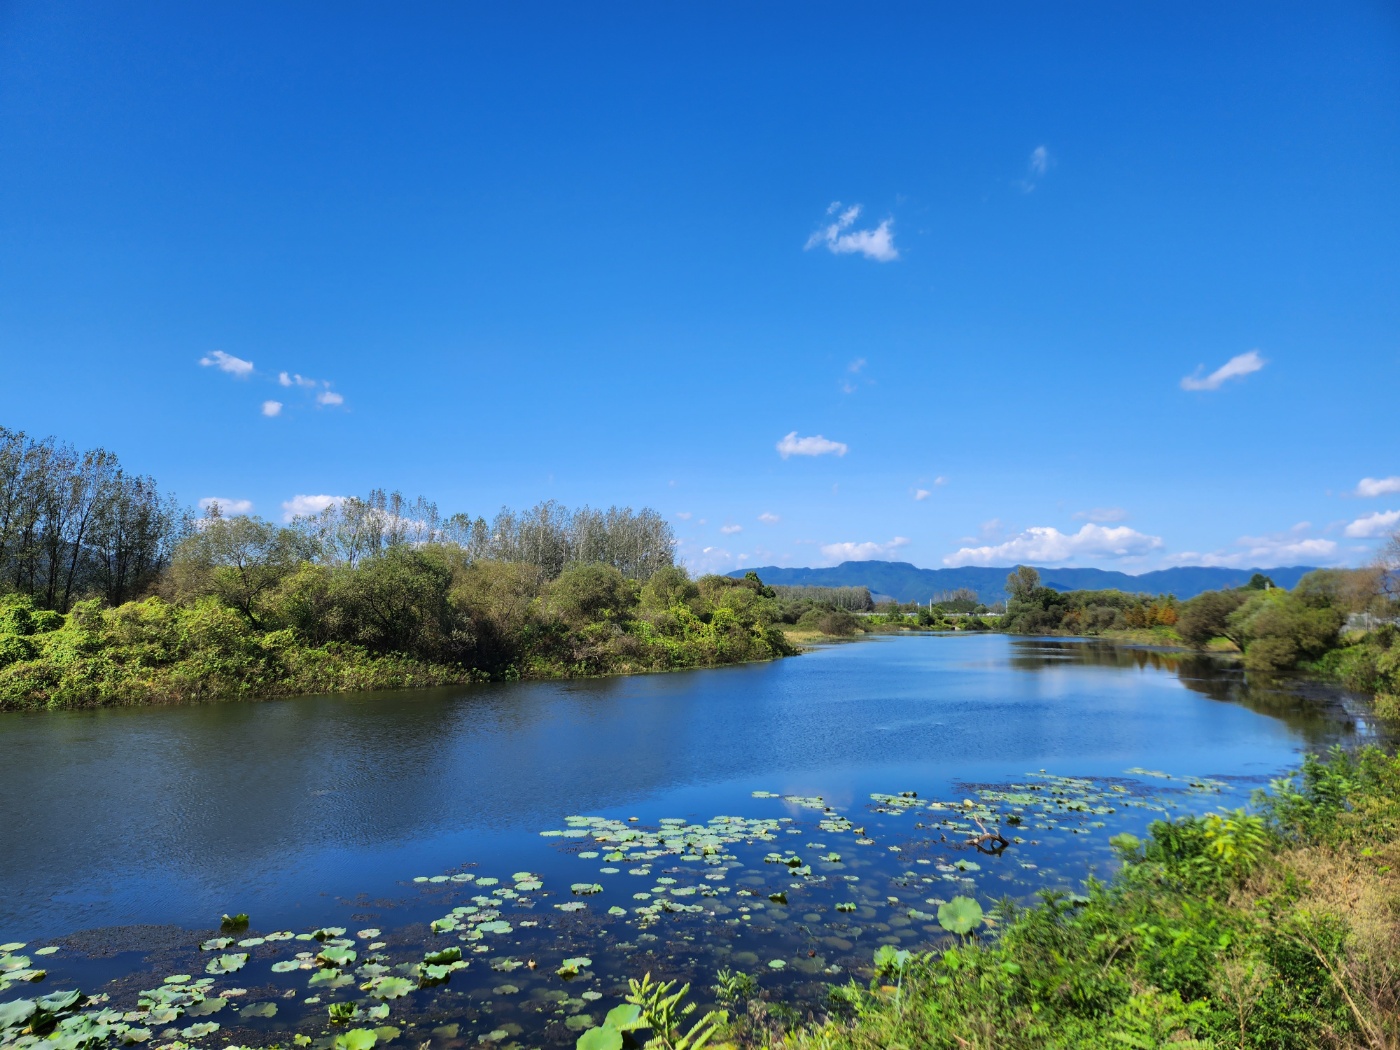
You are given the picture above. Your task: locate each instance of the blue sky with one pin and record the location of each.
(815, 281)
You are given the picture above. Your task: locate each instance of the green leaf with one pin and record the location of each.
(960, 915)
(336, 956)
(356, 1039)
(625, 1018)
(17, 1013)
(228, 963)
(604, 1038)
(389, 987)
(259, 1010)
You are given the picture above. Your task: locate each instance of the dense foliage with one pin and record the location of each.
(1275, 929)
(369, 593)
(408, 616)
(1036, 609)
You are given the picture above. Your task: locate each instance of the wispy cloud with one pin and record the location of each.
(921, 494)
(730, 530)
(1237, 367)
(301, 505)
(1372, 487)
(1292, 547)
(234, 366)
(792, 445)
(1046, 545)
(272, 408)
(227, 507)
(293, 379)
(769, 518)
(868, 551)
(840, 237)
(1039, 163)
(329, 397)
(684, 515)
(1101, 514)
(1381, 523)
(856, 365)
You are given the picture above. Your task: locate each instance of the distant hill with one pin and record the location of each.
(909, 583)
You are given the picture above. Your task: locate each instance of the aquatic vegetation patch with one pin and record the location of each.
(802, 896)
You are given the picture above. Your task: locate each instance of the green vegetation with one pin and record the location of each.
(1276, 929)
(371, 593)
(1035, 609)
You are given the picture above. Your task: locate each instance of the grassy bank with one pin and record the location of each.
(1278, 929)
(498, 622)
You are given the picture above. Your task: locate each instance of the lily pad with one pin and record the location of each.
(356, 1039)
(961, 915)
(228, 963)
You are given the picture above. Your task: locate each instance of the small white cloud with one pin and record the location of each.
(1045, 545)
(792, 445)
(1101, 514)
(684, 515)
(856, 365)
(940, 480)
(301, 506)
(1372, 487)
(272, 408)
(769, 518)
(922, 494)
(1381, 523)
(841, 239)
(227, 507)
(1237, 367)
(730, 530)
(227, 363)
(293, 379)
(329, 397)
(868, 551)
(1039, 163)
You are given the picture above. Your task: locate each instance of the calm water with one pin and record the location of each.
(322, 811)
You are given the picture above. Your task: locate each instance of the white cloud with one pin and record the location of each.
(867, 551)
(228, 363)
(1037, 165)
(227, 507)
(841, 239)
(293, 379)
(1381, 523)
(300, 505)
(856, 365)
(921, 494)
(684, 515)
(1372, 487)
(1101, 514)
(1237, 367)
(1045, 545)
(1262, 552)
(730, 530)
(272, 408)
(329, 397)
(792, 445)
(940, 480)
(769, 518)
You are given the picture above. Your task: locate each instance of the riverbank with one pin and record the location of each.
(1278, 928)
(159, 652)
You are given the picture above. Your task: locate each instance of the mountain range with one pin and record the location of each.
(909, 583)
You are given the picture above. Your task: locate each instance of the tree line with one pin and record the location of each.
(111, 593)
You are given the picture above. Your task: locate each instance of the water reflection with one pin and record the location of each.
(173, 815)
